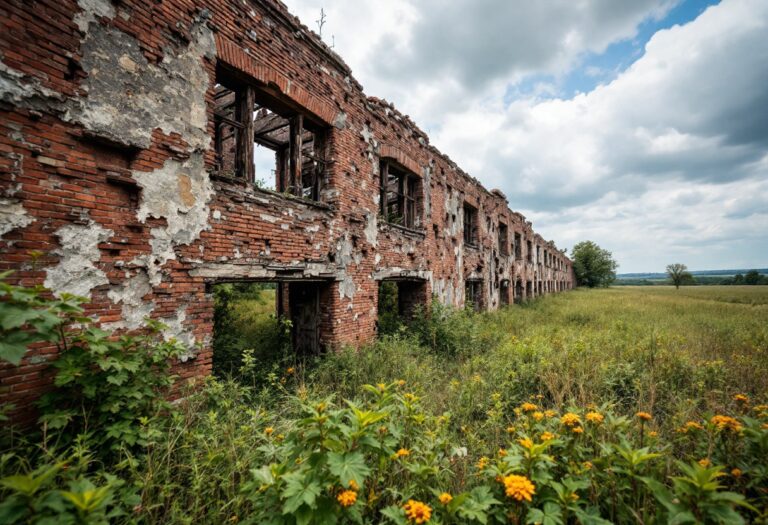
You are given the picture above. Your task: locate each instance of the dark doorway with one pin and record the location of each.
(263, 326)
(518, 291)
(399, 301)
(304, 306)
(504, 292)
(473, 295)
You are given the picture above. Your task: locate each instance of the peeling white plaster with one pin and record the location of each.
(371, 229)
(91, 9)
(76, 273)
(175, 329)
(134, 308)
(179, 193)
(13, 215)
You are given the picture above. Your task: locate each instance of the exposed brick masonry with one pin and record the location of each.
(107, 167)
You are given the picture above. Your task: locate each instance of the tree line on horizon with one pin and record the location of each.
(595, 267)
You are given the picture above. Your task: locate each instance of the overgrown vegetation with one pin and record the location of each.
(616, 405)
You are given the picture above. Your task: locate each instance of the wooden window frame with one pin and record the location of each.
(503, 239)
(404, 198)
(471, 237)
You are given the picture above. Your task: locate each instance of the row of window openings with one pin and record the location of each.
(279, 151)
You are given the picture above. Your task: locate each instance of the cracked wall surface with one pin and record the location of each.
(109, 186)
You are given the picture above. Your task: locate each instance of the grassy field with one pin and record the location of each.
(460, 402)
(621, 405)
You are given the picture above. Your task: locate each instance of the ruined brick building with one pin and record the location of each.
(127, 140)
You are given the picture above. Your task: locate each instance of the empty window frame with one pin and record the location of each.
(399, 195)
(518, 247)
(248, 123)
(473, 294)
(529, 251)
(503, 239)
(470, 225)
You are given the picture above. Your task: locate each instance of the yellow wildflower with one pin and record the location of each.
(290, 370)
(550, 413)
(353, 485)
(510, 430)
(417, 512)
(401, 382)
(570, 419)
(691, 425)
(741, 398)
(594, 417)
(410, 397)
(538, 416)
(381, 386)
(643, 416)
(445, 498)
(482, 463)
(502, 452)
(653, 434)
(347, 498)
(587, 465)
(269, 430)
(518, 487)
(726, 423)
(402, 453)
(736, 473)
(528, 407)
(705, 462)
(525, 443)
(547, 436)
(577, 430)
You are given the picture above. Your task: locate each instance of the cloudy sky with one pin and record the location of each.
(639, 124)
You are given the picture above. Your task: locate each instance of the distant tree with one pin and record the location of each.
(679, 274)
(594, 266)
(738, 279)
(752, 277)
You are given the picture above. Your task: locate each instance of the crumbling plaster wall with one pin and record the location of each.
(108, 189)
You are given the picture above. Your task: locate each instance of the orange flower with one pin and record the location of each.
(445, 498)
(741, 398)
(577, 430)
(726, 423)
(269, 431)
(353, 485)
(538, 416)
(643, 416)
(402, 453)
(705, 462)
(736, 473)
(510, 430)
(502, 452)
(528, 407)
(482, 463)
(417, 512)
(570, 419)
(594, 417)
(525, 443)
(547, 436)
(550, 413)
(691, 425)
(347, 498)
(518, 487)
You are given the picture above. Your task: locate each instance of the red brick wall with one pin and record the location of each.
(105, 161)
